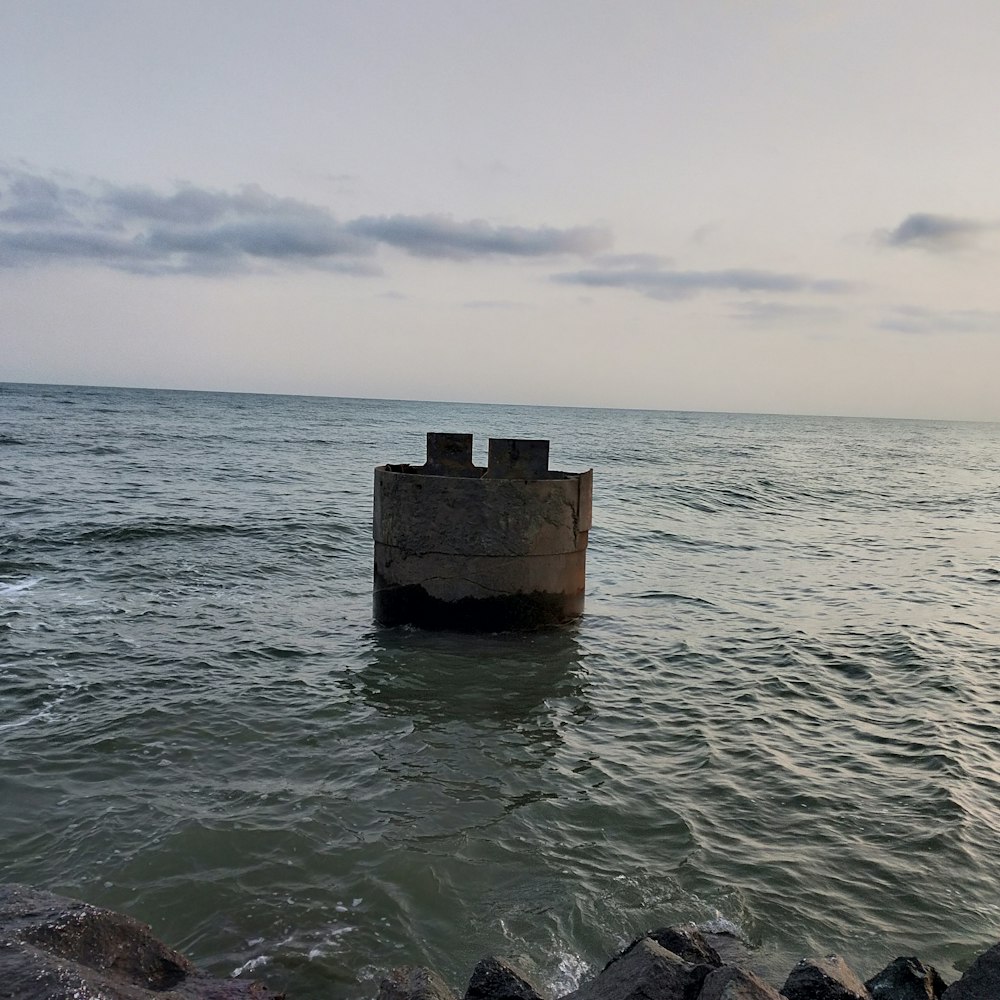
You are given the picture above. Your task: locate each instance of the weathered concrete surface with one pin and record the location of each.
(497, 978)
(52, 948)
(480, 549)
(906, 979)
(829, 978)
(981, 980)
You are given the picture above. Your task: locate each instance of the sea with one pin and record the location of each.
(779, 715)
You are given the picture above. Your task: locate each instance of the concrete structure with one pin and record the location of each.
(462, 547)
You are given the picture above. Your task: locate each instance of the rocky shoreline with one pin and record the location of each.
(53, 948)
(681, 963)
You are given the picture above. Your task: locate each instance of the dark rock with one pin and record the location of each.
(53, 948)
(688, 943)
(414, 983)
(497, 979)
(827, 978)
(731, 949)
(731, 983)
(981, 980)
(645, 971)
(906, 979)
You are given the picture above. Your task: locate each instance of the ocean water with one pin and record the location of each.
(781, 711)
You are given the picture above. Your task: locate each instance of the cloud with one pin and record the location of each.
(492, 304)
(668, 284)
(934, 232)
(191, 230)
(771, 314)
(197, 230)
(920, 321)
(636, 260)
(442, 236)
(35, 199)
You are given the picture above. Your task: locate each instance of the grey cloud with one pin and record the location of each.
(196, 230)
(636, 260)
(35, 199)
(934, 232)
(770, 314)
(442, 236)
(189, 231)
(26, 246)
(492, 304)
(187, 206)
(921, 321)
(190, 205)
(274, 238)
(660, 283)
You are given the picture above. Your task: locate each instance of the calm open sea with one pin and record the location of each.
(781, 710)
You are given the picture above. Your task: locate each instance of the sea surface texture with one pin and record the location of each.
(781, 711)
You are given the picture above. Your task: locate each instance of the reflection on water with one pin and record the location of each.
(504, 678)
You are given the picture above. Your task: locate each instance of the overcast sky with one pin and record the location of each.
(745, 206)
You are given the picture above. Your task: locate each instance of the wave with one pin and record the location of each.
(19, 587)
(662, 595)
(103, 449)
(685, 541)
(10, 439)
(161, 529)
(42, 714)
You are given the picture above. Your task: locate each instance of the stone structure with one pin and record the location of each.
(53, 948)
(462, 547)
(683, 963)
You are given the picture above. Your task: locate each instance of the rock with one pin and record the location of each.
(827, 978)
(731, 949)
(981, 980)
(53, 948)
(497, 979)
(411, 982)
(645, 971)
(906, 979)
(688, 943)
(732, 983)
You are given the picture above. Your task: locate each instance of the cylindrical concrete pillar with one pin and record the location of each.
(458, 546)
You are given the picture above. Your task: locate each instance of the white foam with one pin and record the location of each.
(12, 590)
(569, 974)
(253, 963)
(721, 925)
(44, 714)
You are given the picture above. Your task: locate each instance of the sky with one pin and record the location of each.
(743, 206)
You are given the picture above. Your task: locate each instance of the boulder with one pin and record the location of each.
(53, 948)
(732, 983)
(688, 943)
(827, 978)
(731, 949)
(498, 979)
(645, 971)
(981, 980)
(906, 979)
(414, 982)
